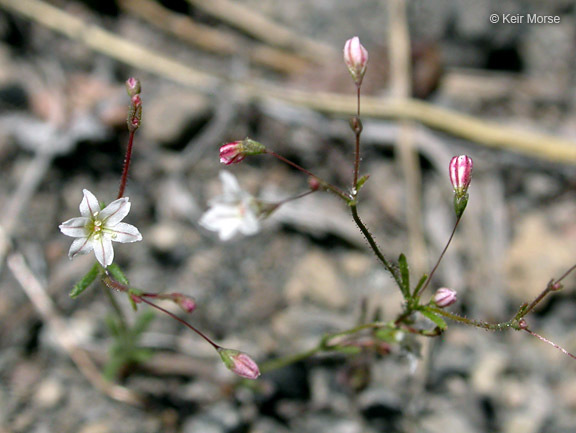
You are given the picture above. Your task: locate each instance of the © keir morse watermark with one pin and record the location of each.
(528, 18)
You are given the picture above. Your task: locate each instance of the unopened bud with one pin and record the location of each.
(236, 151)
(356, 59)
(460, 170)
(187, 303)
(461, 173)
(356, 124)
(133, 86)
(445, 297)
(314, 183)
(239, 363)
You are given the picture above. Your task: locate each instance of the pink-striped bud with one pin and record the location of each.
(133, 86)
(460, 170)
(236, 151)
(356, 59)
(239, 363)
(445, 297)
(461, 173)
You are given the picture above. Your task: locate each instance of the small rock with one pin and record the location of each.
(315, 278)
(49, 393)
(170, 117)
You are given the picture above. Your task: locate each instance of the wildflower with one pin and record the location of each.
(96, 229)
(445, 297)
(356, 58)
(461, 173)
(460, 170)
(236, 151)
(235, 211)
(239, 363)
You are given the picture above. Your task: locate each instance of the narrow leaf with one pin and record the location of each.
(86, 281)
(117, 273)
(420, 283)
(438, 321)
(405, 275)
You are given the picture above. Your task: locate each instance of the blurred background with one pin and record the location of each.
(442, 80)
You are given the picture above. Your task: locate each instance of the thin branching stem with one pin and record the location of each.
(439, 258)
(370, 239)
(324, 184)
(127, 160)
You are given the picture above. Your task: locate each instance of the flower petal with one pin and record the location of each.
(75, 227)
(89, 204)
(80, 246)
(103, 250)
(115, 212)
(231, 190)
(125, 233)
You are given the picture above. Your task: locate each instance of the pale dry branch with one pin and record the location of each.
(490, 134)
(261, 27)
(213, 40)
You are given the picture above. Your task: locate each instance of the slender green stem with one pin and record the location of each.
(117, 310)
(439, 259)
(370, 239)
(325, 184)
(477, 323)
(275, 364)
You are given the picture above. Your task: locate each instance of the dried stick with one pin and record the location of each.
(401, 88)
(44, 305)
(261, 27)
(536, 145)
(213, 40)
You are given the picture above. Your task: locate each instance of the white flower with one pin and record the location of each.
(96, 229)
(233, 212)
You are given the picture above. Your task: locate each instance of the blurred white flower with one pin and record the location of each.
(233, 212)
(96, 229)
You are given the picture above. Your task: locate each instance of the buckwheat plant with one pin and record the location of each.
(100, 225)
(376, 336)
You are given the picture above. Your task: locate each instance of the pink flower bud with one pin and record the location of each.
(136, 101)
(236, 151)
(314, 183)
(133, 86)
(239, 363)
(356, 59)
(231, 153)
(187, 303)
(461, 173)
(445, 297)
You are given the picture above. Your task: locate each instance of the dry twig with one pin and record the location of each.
(536, 145)
(262, 28)
(213, 40)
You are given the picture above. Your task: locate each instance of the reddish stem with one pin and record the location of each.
(127, 159)
(175, 317)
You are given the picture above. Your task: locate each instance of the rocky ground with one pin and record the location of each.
(308, 271)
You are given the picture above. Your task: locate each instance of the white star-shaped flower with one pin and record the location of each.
(96, 229)
(233, 212)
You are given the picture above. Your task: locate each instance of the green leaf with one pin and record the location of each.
(347, 350)
(438, 321)
(143, 322)
(387, 334)
(405, 275)
(361, 182)
(420, 283)
(86, 281)
(117, 274)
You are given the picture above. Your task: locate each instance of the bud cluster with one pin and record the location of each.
(133, 87)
